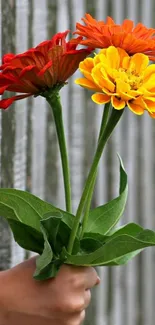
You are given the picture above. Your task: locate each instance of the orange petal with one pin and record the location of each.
(83, 82)
(137, 106)
(128, 25)
(152, 114)
(117, 103)
(100, 98)
(150, 105)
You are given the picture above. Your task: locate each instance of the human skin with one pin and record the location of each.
(58, 301)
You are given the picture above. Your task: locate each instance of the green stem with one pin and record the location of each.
(105, 116)
(113, 120)
(55, 104)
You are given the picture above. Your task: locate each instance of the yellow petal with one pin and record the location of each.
(121, 86)
(100, 98)
(117, 103)
(125, 96)
(107, 92)
(149, 71)
(137, 106)
(124, 57)
(113, 57)
(130, 95)
(100, 58)
(138, 63)
(83, 82)
(126, 62)
(149, 84)
(86, 67)
(152, 99)
(101, 79)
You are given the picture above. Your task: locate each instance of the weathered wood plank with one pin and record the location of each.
(8, 11)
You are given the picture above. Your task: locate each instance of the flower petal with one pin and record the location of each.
(113, 57)
(117, 103)
(137, 106)
(5, 103)
(150, 105)
(83, 82)
(138, 63)
(100, 98)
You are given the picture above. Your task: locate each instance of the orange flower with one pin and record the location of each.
(39, 69)
(120, 79)
(133, 39)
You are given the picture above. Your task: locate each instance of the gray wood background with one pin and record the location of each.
(126, 295)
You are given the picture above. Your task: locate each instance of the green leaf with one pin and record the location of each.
(26, 236)
(51, 223)
(58, 231)
(130, 229)
(92, 240)
(27, 208)
(89, 244)
(44, 261)
(114, 249)
(102, 219)
(125, 259)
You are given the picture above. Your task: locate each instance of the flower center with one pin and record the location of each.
(131, 77)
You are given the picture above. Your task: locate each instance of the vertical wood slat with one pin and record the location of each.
(147, 193)
(51, 167)
(39, 110)
(20, 120)
(131, 269)
(8, 15)
(62, 25)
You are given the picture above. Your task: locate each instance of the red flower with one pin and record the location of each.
(133, 39)
(41, 68)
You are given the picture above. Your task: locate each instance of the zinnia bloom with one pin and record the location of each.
(40, 69)
(133, 39)
(121, 79)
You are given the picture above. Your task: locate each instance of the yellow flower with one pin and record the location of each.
(121, 79)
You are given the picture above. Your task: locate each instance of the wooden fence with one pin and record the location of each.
(126, 295)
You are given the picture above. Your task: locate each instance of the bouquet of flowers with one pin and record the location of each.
(120, 77)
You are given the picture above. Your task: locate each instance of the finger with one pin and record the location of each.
(87, 298)
(78, 318)
(91, 278)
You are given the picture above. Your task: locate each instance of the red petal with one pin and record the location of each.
(45, 68)
(72, 44)
(59, 38)
(4, 80)
(5, 103)
(47, 75)
(70, 63)
(7, 57)
(29, 75)
(2, 89)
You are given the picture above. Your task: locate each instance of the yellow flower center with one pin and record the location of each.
(132, 78)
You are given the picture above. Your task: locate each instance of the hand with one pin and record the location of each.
(58, 301)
